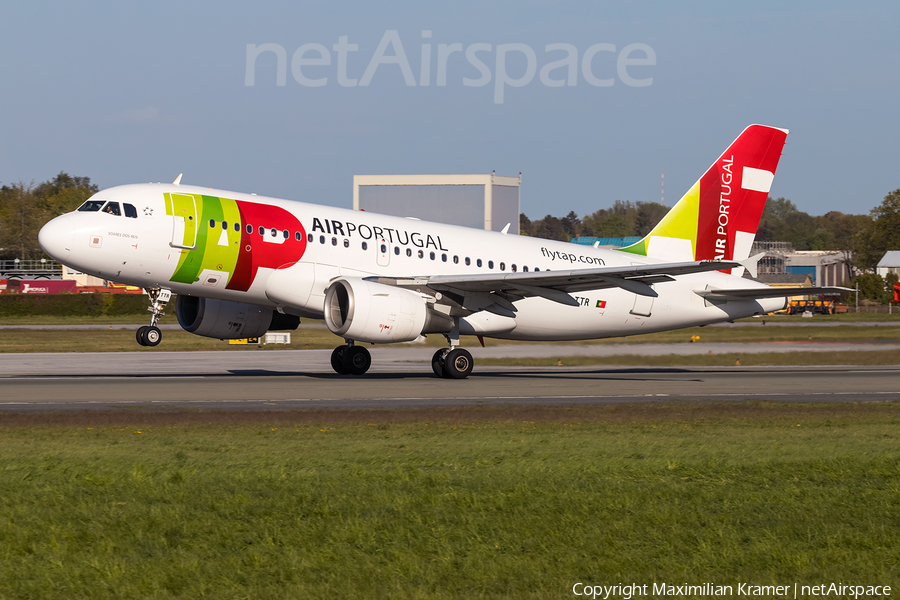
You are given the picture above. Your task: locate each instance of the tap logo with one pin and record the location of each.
(234, 239)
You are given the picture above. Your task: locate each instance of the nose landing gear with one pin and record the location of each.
(150, 335)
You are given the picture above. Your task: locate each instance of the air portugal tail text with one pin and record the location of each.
(719, 216)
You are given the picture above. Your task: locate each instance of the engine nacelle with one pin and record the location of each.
(366, 311)
(227, 320)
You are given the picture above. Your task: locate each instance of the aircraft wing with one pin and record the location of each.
(496, 292)
(772, 292)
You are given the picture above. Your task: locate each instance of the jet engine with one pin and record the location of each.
(227, 320)
(367, 311)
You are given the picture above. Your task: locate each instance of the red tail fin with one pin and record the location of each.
(733, 193)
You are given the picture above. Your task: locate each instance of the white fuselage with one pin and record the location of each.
(155, 249)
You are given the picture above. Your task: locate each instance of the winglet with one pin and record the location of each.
(178, 179)
(505, 230)
(752, 264)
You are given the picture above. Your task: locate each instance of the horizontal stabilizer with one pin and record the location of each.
(770, 292)
(752, 264)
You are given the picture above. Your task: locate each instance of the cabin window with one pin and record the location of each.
(478, 263)
(285, 234)
(112, 208)
(468, 261)
(91, 206)
(397, 250)
(365, 246)
(444, 257)
(212, 223)
(524, 269)
(274, 232)
(346, 243)
(490, 264)
(334, 241)
(298, 236)
(432, 255)
(421, 254)
(224, 224)
(249, 229)
(409, 252)
(514, 268)
(309, 237)
(455, 260)
(130, 211)
(383, 249)
(321, 239)
(237, 227)
(503, 266)
(262, 230)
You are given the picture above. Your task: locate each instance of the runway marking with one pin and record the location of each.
(710, 396)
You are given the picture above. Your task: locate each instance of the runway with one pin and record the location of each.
(262, 380)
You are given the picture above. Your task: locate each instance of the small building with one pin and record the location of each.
(481, 201)
(827, 267)
(889, 263)
(787, 280)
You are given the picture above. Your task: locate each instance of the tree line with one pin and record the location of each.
(25, 208)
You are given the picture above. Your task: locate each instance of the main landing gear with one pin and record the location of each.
(449, 363)
(452, 362)
(150, 335)
(350, 359)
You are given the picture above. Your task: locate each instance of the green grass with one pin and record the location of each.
(122, 340)
(455, 503)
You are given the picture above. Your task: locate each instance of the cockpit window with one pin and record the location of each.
(91, 206)
(112, 208)
(130, 210)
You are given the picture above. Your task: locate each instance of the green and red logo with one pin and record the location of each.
(231, 238)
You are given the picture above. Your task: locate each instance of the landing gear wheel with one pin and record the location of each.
(152, 336)
(139, 334)
(458, 364)
(357, 360)
(437, 362)
(337, 360)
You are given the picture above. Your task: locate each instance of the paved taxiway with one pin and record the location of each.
(258, 379)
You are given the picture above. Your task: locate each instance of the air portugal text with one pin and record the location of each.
(388, 234)
(724, 205)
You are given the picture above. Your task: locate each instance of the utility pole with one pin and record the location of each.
(662, 188)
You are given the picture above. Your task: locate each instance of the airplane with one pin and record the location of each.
(242, 265)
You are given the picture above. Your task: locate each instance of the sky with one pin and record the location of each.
(137, 92)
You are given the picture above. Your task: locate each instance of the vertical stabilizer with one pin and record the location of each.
(718, 217)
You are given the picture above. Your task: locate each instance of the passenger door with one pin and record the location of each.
(184, 213)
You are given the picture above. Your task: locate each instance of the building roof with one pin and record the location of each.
(891, 258)
(609, 242)
(776, 279)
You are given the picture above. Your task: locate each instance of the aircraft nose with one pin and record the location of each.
(57, 237)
